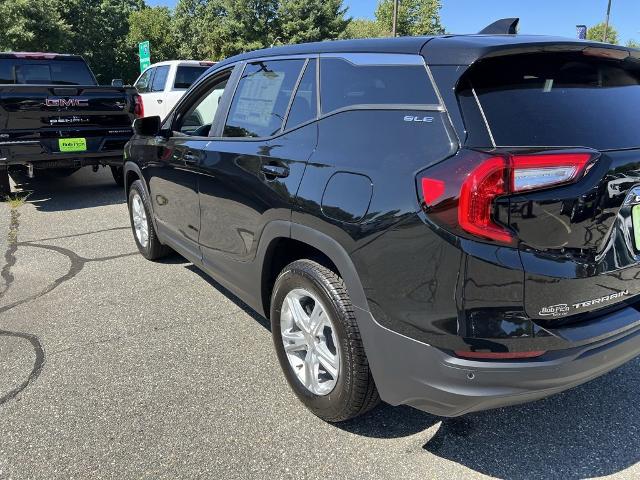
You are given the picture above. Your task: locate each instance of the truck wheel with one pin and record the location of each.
(143, 231)
(318, 342)
(118, 175)
(5, 186)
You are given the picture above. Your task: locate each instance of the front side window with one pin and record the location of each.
(142, 85)
(160, 78)
(262, 97)
(345, 84)
(197, 120)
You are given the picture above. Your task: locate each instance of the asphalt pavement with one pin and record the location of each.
(112, 366)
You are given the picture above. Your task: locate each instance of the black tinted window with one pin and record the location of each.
(44, 72)
(559, 99)
(185, 76)
(160, 78)
(345, 84)
(143, 83)
(262, 97)
(304, 106)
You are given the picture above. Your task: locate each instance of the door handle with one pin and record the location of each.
(275, 171)
(190, 157)
(159, 100)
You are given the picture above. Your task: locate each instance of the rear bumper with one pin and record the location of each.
(43, 153)
(410, 372)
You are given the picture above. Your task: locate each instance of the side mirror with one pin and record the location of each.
(147, 126)
(117, 82)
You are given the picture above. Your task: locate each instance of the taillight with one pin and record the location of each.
(138, 106)
(499, 355)
(465, 192)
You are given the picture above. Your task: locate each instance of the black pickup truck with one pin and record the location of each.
(54, 115)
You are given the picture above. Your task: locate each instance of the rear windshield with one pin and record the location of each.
(44, 72)
(185, 76)
(558, 99)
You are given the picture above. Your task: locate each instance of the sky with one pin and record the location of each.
(551, 17)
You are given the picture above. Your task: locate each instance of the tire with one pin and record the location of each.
(149, 245)
(353, 392)
(5, 186)
(118, 175)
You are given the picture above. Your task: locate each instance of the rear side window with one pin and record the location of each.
(345, 84)
(143, 83)
(262, 97)
(305, 103)
(185, 76)
(44, 72)
(557, 99)
(160, 78)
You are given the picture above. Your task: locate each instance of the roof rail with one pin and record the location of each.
(504, 26)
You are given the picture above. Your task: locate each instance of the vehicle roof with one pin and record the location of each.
(46, 55)
(442, 49)
(182, 62)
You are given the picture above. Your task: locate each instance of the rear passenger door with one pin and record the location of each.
(256, 159)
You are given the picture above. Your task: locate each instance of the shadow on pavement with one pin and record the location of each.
(586, 432)
(83, 189)
(263, 322)
(589, 431)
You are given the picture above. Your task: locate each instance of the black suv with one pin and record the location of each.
(451, 223)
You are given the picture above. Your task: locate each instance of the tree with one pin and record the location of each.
(32, 26)
(365, 28)
(98, 31)
(415, 17)
(311, 20)
(155, 25)
(597, 33)
(633, 43)
(194, 21)
(244, 25)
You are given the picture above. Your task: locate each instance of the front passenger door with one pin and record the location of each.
(173, 177)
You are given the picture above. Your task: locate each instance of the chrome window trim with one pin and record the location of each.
(360, 59)
(378, 59)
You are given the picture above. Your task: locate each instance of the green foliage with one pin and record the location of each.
(597, 33)
(365, 28)
(106, 32)
(633, 43)
(415, 17)
(311, 20)
(31, 26)
(154, 24)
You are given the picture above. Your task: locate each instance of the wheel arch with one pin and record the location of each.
(132, 172)
(303, 242)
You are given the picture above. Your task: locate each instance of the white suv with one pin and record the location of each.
(162, 84)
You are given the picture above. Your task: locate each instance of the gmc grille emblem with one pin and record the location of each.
(67, 102)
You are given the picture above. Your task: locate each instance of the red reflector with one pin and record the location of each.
(138, 106)
(432, 189)
(499, 355)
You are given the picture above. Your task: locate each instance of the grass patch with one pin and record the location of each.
(16, 200)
